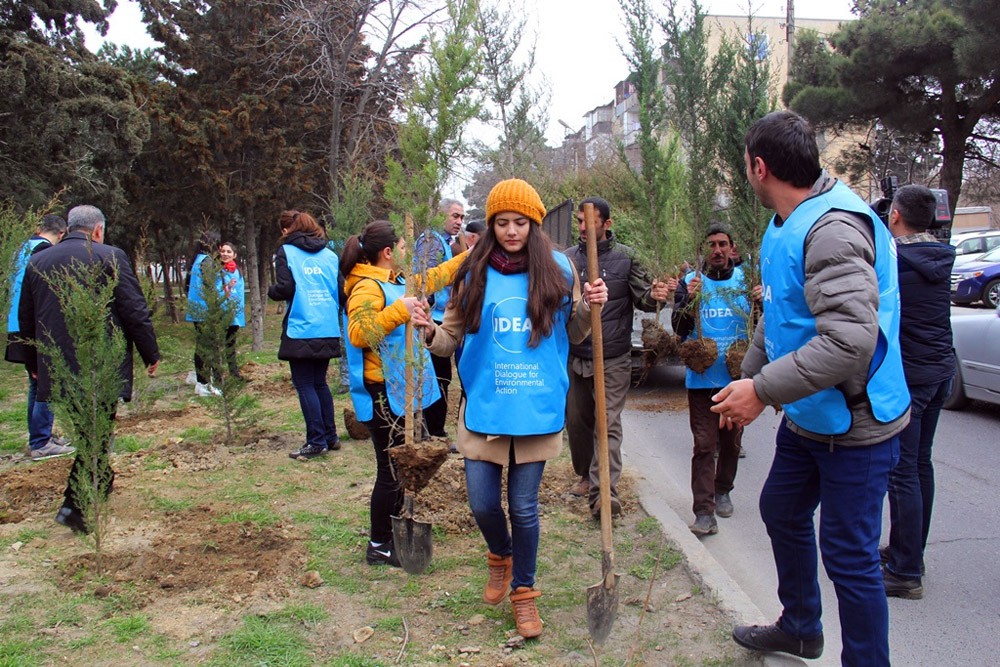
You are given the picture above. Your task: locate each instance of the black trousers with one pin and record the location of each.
(105, 475)
(387, 495)
(436, 414)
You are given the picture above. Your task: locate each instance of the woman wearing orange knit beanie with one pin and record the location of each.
(515, 306)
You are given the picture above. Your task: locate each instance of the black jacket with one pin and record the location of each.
(283, 289)
(925, 304)
(40, 316)
(628, 288)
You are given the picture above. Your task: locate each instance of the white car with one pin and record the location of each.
(975, 243)
(978, 360)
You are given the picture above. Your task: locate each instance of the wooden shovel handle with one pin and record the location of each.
(600, 402)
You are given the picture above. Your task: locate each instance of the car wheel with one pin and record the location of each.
(991, 294)
(956, 397)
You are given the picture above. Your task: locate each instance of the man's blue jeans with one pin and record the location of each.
(850, 483)
(39, 418)
(483, 482)
(911, 483)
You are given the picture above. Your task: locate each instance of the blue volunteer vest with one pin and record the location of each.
(514, 389)
(314, 307)
(392, 352)
(721, 305)
(13, 326)
(195, 311)
(441, 296)
(238, 294)
(789, 325)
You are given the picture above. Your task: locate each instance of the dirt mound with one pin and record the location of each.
(417, 464)
(23, 491)
(734, 357)
(699, 354)
(196, 553)
(147, 420)
(445, 502)
(355, 428)
(656, 341)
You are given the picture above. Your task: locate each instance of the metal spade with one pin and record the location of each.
(602, 597)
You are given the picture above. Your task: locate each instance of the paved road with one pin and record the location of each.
(955, 623)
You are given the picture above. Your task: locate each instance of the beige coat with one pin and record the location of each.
(496, 448)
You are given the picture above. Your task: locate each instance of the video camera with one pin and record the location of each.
(883, 205)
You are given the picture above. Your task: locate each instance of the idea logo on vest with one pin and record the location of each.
(511, 324)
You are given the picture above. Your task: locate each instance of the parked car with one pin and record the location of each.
(977, 281)
(975, 243)
(977, 354)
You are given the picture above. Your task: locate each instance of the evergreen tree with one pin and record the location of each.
(86, 387)
(927, 68)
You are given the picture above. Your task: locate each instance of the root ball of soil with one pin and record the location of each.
(355, 429)
(734, 357)
(417, 464)
(699, 354)
(657, 341)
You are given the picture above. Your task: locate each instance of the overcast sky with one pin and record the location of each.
(578, 45)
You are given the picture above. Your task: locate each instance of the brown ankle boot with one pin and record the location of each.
(525, 612)
(501, 574)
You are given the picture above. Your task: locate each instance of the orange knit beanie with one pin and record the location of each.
(515, 195)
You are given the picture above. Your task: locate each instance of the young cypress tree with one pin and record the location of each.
(85, 394)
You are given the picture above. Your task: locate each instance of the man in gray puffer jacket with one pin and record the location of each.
(827, 351)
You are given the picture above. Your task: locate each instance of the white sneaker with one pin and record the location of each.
(192, 378)
(206, 390)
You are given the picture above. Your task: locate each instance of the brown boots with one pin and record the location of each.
(523, 599)
(526, 618)
(501, 574)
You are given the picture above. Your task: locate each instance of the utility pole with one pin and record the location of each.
(790, 32)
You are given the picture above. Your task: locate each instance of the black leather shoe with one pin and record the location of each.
(883, 558)
(334, 445)
(771, 638)
(902, 587)
(308, 452)
(73, 520)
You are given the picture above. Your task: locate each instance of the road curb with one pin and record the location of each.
(704, 569)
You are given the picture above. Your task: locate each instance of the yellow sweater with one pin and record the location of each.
(369, 320)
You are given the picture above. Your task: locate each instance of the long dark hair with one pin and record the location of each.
(547, 287)
(366, 246)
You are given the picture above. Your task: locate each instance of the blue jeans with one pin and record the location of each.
(39, 418)
(911, 482)
(482, 481)
(315, 399)
(850, 483)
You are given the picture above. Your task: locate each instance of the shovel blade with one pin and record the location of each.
(602, 608)
(413, 543)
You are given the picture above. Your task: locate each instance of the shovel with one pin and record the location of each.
(411, 538)
(602, 597)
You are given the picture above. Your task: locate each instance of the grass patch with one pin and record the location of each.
(128, 628)
(131, 443)
(198, 434)
(260, 518)
(170, 505)
(263, 641)
(20, 653)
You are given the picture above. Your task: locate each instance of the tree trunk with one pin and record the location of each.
(168, 289)
(254, 282)
(953, 153)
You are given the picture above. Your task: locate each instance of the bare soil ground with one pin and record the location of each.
(234, 554)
